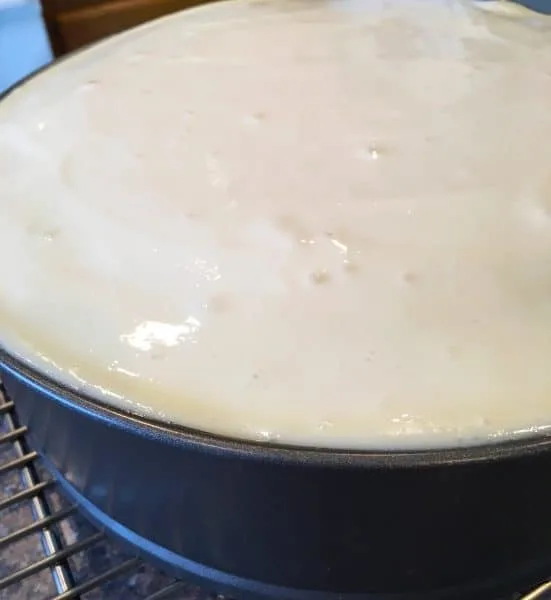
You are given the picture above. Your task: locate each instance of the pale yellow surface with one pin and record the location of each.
(323, 223)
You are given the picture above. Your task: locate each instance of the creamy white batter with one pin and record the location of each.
(322, 223)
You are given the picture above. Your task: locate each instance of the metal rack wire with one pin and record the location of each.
(49, 552)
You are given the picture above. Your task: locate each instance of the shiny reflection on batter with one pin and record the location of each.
(151, 333)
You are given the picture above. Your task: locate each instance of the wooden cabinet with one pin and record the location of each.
(72, 24)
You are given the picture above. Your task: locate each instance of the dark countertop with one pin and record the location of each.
(136, 584)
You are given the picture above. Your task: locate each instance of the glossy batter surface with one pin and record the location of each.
(322, 223)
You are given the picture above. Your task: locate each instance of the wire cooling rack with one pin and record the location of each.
(48, 551)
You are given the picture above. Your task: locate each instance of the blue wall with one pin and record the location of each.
(24, 45)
